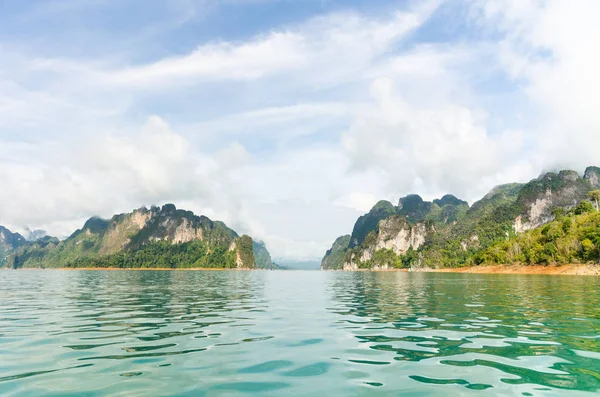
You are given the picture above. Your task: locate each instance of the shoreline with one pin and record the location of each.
(136, 269)
(557, 270)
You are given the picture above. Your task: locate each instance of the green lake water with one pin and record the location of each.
(271, 333)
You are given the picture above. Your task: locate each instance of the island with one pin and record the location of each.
(159, 237)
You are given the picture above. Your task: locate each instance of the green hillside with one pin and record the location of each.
(145, 238)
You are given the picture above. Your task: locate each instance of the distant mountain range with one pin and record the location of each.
(449, 233)
(289, 264)
(145, 238)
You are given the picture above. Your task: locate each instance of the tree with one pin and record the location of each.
(584, 207)
(588, 248)
(594, 195)
(559, 212)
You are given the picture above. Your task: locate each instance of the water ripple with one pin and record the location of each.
(297, 333)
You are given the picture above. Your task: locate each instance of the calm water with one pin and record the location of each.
(297, 333)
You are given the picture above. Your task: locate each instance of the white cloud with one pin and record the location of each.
(277, 52)
(53, 181)
(285, 122)
(549, 47)
(334, 47)
(430, 150)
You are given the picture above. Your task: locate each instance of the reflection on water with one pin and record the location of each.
(297, 333)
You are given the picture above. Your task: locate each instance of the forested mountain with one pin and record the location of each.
(449, 233)
(145, 238)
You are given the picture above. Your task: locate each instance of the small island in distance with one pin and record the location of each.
(551, 220)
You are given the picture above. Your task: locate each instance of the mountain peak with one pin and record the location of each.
(410, 201)
(96, 224)
(382, 205)
(592, 175)
(449, 199)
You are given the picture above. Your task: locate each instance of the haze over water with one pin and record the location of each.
(297, 333)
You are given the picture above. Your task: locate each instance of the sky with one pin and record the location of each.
(286, 119)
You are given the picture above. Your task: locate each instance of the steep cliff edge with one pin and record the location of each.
(384, 248)
(391, 234)
(592, 175)
(155, 237)
(334, 258)
(539, 197)
(262, 256)
(369, 221)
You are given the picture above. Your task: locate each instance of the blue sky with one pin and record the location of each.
(286, 119)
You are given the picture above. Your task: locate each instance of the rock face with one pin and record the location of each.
(592, 175)
(539, 197)
(151, 230)
(539, 212)
(395, 234)
(394, 229)
(369, 222)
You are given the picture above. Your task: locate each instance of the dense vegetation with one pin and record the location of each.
(244, 250)
(163, 254)
(334, 258)
(391, 260)
(573, 237)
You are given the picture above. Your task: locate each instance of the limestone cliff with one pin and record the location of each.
(369, 221)
(155, 237)
(592, 175)
(539, 197)
(394, 235)
(388, 233)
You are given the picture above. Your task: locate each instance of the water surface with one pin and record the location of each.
(159, 333)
